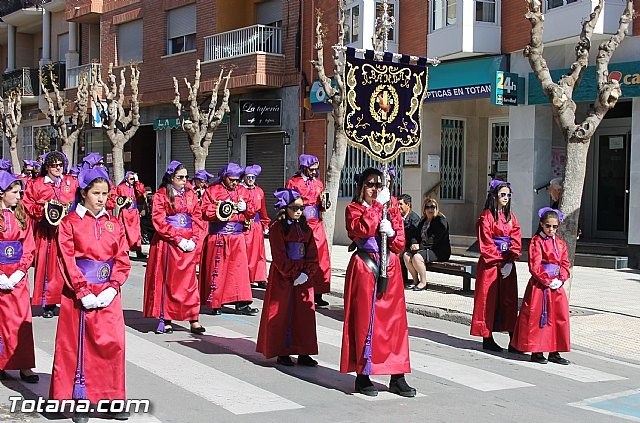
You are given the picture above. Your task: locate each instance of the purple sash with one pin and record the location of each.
(134, 205)
(311, 212)
(10, 252)
(370, 245)
(225, 228)
(551, 269)
(94, 271)
(295, 250)
(180, 220)
(257, 218)
(503, 243)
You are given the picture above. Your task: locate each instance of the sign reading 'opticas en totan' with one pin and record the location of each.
(260, 112)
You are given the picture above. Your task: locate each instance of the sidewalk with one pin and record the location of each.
(605, 303)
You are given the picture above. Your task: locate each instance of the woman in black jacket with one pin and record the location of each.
(429, 242)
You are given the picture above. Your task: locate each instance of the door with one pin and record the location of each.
(610, 205)
(267, 151)
(498, 150)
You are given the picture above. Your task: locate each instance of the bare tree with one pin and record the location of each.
(335, 98)
(67, 134)
(119, 126)
(202, 125)
(577, 135)
(10, 119)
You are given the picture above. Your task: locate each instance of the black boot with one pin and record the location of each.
(490, 345)
(364, 386)
(398, 385)
(319, 301)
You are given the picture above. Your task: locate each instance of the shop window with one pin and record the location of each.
(129, 42)
(452, 159)
(552, 4)
(443, 13)
(357, 161)
(181, 29)
(486, 11)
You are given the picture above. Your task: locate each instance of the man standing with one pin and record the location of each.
(254, 236)
(311, 189)
(411, 221)
(126, 197)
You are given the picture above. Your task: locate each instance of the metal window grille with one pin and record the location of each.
(357, 161)
(452, 160)
(499, 149)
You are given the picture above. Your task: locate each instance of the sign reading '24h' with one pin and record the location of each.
(383, 105)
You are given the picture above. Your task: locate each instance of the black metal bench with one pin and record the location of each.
(464, 269)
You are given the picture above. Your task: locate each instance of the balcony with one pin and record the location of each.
(564, 22)
(26, 80)
(73, 74)
(59, 74)
(26, 15)
(83, 11)
(53, 5)
(469, 31)
(256, 39)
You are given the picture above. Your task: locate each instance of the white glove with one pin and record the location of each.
(89, 301)
(301, 279)
(555, 283)
(16, 277)
(5, 284)
(506, 270)
(184, 244)
(105, 297)
(266, 232)
(191, 245)
(242, 206)
(135, 177)
(383, 196)
(386, 228)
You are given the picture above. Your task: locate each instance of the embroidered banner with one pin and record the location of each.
(384, 104)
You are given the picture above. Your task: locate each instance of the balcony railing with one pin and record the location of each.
(243, 41)
(26, 79)
(59, 74)
(9, 6)
(73, 74)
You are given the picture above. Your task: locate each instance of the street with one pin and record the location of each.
(219, 376)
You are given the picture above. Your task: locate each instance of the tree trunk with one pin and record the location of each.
(334, 171)
(199, 156)
(67, 149)
(117, 151)
(573, 186)
(15, 161)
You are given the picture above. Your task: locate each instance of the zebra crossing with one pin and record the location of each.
(222, 370)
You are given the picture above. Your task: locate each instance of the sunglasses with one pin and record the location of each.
(548, 226)
(505, 194)
(431, 207)
(296, 208)
(250, 177)
(234, 180)
(56, 165)
(373, 184)
(181, 177)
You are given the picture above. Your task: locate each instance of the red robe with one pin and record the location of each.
(130, 216)
(495, 298)
(36, 194)
(254, 237)
(169, 267)
(390, 334)
(104, 341)
(16, 330)
(554, 336)
(311, 191)
(224, 262)
(288, 321)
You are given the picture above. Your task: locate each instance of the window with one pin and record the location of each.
(181, 29)
(551, 4)
(27, 144)
(352, 23)
(452, 160)
(443, 13)
(357, 161)
(63, 47)
(129, 42)
(486, 11)
(391, 10)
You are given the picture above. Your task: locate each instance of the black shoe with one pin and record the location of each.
(554, 357)
(120, 415)
(34, 378)
(80, 417)
(198, 329)
(262, 285)
(409, 286)
(320, 302)
(216, 311)
(514, 350)
(167, 327)
(538, 358)
(305, 360)
(417, 288)
(400, 387)
(246, 310)
(140, 255)
(365, 387)
(490, 344)
(47, 314)
(285, 360)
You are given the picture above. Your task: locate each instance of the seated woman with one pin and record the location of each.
(429, 242)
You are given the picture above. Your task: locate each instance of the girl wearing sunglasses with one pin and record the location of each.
(543, 323)
(288, 321)
(495, 305)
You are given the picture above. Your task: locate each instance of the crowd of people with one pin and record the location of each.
(207, 234)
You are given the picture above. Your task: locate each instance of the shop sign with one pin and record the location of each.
(507, 89)
(260, 113)
(166, 123)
